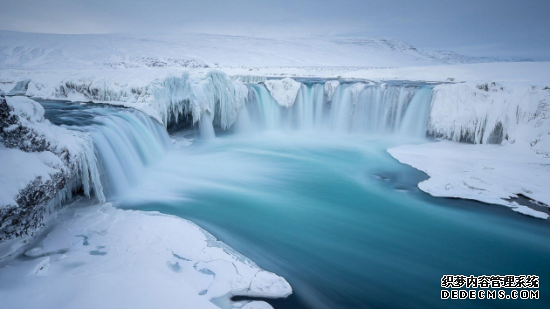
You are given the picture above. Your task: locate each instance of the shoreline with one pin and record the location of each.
(89, 247)
(485, 173)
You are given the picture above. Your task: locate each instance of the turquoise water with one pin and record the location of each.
(342, 220)
(333, 213)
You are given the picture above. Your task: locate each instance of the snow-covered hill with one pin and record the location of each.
(32, 50)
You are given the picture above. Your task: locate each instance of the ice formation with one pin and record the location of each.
(214, 92)
(492, 113)
(330, 88)
(284, 91)
(48, 163)
(60, 161)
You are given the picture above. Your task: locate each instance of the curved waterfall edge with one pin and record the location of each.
(479, 114)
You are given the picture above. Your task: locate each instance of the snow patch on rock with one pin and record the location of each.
(42, 165)
(330, 88)
(284, 91)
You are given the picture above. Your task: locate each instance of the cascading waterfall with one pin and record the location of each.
(359, 107)
(415, 120)
(125, 143)
(206, 127)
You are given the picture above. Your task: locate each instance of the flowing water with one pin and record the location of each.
(311, 194)
(341, 220)
(125, 141)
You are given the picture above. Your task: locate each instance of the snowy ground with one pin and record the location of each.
(30, 50)
(492, 174)
(24, 167)
(102, 257)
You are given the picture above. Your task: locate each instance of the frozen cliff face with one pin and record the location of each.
(193, 95)
(330, 88)
(44, 165)
(492, 113)
(169, 97)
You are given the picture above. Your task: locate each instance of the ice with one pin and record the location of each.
(492, 113)
(487, 173)
(284, 91)
(78, 147)
(330, 88)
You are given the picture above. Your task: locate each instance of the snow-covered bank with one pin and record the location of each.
(42, 165)
(492, 174)
(102, 257)
(492, 113)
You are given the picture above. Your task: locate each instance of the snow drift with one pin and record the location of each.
(42, 166)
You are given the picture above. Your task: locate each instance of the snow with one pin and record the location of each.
(491, 112)
(164, 94)
(486, 173)
(31, 50)
(59, 140)
(330, 88)
(23, 168)
(516, 73)
(102, 257)
(284, 91)
(20, 87)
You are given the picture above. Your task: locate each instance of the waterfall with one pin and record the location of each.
(416, 118)
(206, 127)
(346, 107)
(125, 143)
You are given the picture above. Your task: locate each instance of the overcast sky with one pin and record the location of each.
(519, 28)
